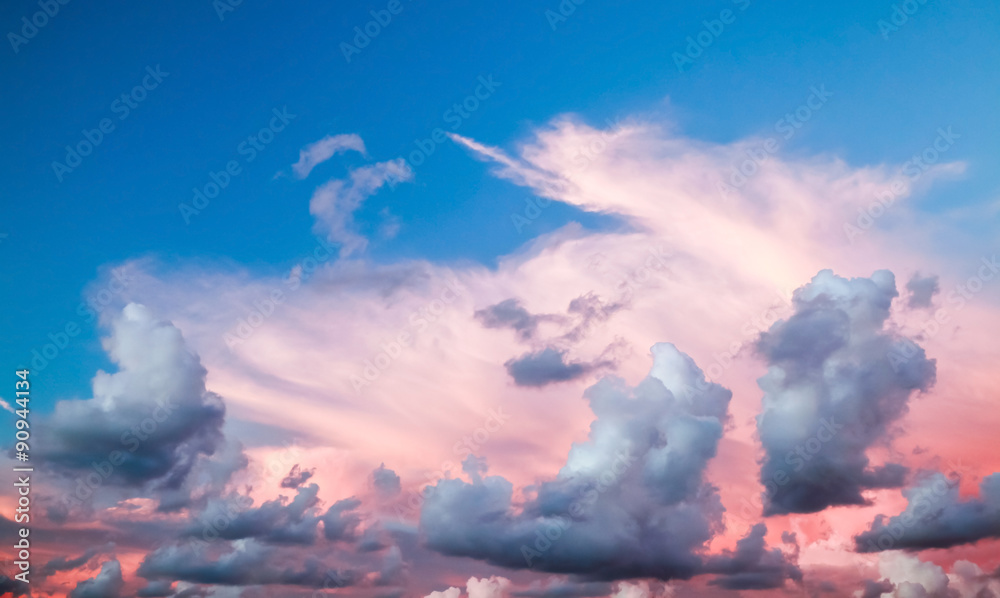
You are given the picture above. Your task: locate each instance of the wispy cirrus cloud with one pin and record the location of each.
(320, 151)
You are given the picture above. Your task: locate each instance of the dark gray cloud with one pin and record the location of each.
(148, 422)
(875, 589)
(386, 482)
(296, 477)
(511, 314)
(630, 502)
(156, 589)
(340, 522)
(106, 584)
(936, 517)
(14, 587)
(835, 385)
(752, 566)
(275, 522)
(64, 563)
(548, 361)
(565, 589)
(922, 290)
(248, 563)
(546, 367)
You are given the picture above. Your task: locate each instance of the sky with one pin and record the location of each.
(502, 300)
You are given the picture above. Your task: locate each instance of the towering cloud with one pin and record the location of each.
(630, 501)
(148, 422)
(837, 379)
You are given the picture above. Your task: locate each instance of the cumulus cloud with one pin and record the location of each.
(922, 290)
(832, 390)
(320, 151)
(906, 576)
(149, 421)
(106, 584)
(936, 517)
(451, 592)
(492, 587)
(629, 502)
(334, 203)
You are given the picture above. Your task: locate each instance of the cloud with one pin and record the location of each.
(107, 584)
(320, 151)
(629, 502)
(386, 482)
(339, 521)
(248, 563)
(14, 587)
(276, 522)
(831, 391)
(509, 313)
(156, 589)
(922, 290)
(449, 593)
(752, 566)
(296, 477)
(63, 563)
(906, 576)
(149, 421)
(936, 517)
(334, 203)
(493, 587)
(547, 366)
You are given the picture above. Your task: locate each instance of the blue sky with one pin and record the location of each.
(606, 59)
